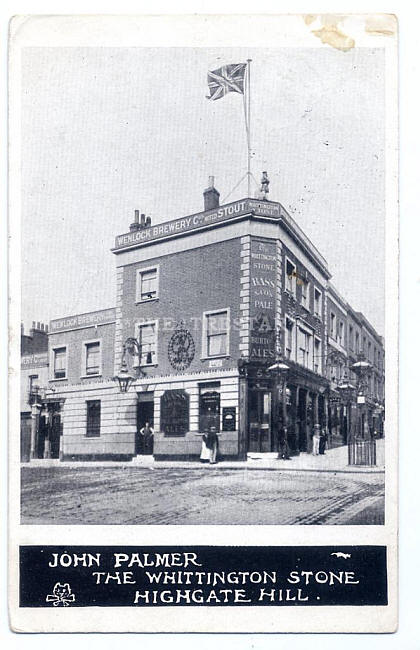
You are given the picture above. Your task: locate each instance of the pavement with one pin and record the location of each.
(179, 494)
(334, 460)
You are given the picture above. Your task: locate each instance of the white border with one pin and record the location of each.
(24, 534)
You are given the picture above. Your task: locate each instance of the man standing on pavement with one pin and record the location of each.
(283, 444)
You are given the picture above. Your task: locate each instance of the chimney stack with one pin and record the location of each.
(135, 225)
(211, 196)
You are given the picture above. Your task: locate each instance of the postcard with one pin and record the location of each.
(203, 323)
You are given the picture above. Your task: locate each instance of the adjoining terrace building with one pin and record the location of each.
(214, 300)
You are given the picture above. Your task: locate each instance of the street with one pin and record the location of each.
(203, 495)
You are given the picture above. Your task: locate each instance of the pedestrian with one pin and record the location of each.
(147, 434)
(205, 450)
(315, 440)
(322, 441)
(284, 453)
(212, 442)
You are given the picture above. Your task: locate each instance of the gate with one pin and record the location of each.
(362, 452)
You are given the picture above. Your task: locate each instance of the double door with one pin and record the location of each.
(260, 422)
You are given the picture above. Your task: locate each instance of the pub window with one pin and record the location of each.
(304, 348)
(317, 355)
(147, 337)
(351, 341)
(93, 358)
(60, 362)
(93, 418)
(341, 332)
(317, 302)
(289, 339)
(216, 334)
(304, 294)
(147, 284)
(290, 277)
(333, 326)
(175, 412)
(32, 382)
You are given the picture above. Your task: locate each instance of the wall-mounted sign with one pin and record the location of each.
(181, 349)
(263, 286)
(229, 418)
(185, 224)
(175, 412)
(216, 363)
(80, 321)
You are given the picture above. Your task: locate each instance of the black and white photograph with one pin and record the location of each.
(205, 294)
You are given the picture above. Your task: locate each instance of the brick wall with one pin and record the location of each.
(74, 340)
(190, 283)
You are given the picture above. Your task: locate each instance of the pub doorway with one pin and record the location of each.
(145, 413)
(209, 407)
(260, 434)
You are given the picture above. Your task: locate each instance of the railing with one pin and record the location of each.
(362, 452)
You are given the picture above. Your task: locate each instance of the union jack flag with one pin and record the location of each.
(228, 78)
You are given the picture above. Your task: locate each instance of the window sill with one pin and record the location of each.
(146, 365)
(91, 376)
(216, 356)
(58, 379)
(141, 302)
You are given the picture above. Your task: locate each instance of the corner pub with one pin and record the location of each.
(220, 322)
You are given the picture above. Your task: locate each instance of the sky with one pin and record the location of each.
(106, 131)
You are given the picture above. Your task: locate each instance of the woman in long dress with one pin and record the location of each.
(205, 451)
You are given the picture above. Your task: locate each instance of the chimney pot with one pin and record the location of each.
(148, 221)
(143, 221)
(136, 216)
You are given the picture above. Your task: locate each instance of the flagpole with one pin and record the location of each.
(249, 124)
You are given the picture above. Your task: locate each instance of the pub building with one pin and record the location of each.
(220, 324)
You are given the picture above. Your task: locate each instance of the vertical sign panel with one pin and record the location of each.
(263, 275)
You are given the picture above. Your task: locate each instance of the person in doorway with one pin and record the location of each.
(284, 453)
(147, 435)
(322, 441)
(316, 440)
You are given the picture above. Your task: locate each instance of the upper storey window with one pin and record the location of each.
(60, 363)
(147, 284)
(304, 295)
(317, 302)
(216, 333)
(290, 277)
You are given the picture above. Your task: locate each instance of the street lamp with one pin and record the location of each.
(361, 368)
(346, 389)
(281, 369)
(124, 378)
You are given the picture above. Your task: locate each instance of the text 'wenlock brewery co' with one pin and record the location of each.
(226, 321)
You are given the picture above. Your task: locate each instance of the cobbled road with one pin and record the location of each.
(132, 495)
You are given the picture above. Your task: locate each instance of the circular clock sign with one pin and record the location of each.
(181, 349)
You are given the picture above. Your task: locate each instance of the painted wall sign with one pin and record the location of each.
(185, 224)
(34, 360)
(263, 280)
(80, 321)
